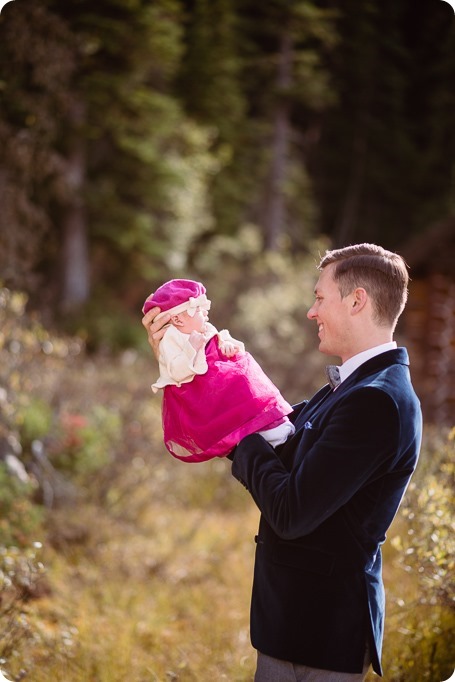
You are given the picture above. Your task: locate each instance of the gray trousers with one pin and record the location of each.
(273, 670)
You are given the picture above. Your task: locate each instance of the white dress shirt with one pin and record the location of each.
(350, 365)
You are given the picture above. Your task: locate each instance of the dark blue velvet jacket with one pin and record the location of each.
(327, 498)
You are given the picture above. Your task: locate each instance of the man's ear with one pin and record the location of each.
(359, 300)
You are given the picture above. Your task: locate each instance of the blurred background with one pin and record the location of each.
(233, 142)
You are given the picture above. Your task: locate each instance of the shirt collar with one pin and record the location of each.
(351, 365)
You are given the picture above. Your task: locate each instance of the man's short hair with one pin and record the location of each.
(383, 274)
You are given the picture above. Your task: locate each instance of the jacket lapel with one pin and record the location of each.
(326, 396)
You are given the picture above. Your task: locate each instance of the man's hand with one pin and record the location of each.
(155, 330)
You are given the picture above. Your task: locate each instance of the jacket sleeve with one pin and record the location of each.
(355, 445)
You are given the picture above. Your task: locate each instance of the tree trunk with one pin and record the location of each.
(348, 222)
(75, 270)
(275, 205)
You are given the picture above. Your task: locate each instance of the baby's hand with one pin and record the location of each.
(197, 340)
(228, 348)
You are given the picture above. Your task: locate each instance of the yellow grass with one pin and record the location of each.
(164, 598)
(150, 580)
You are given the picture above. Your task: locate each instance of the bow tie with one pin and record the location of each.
(333, 375)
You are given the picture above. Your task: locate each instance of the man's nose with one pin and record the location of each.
(311, 313)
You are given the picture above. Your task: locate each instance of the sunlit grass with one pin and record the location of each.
(158, 587)
(166, 599)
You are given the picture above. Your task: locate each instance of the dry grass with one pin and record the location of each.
(150, 571)
(163, 598)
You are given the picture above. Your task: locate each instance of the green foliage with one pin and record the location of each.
(29, 359)
(154, 123)
(210, 73)
(20, 518)
(82, 444)
(381, 148)
(37, 61)
(422, 617)
(429, 512)
(34, 420)
(103, 91)
(26, 351)
(20, 574)
(104, 326)
(243, 188)
(135, 128)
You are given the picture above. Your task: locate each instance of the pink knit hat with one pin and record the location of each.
(178, 295)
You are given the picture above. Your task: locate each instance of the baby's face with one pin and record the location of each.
(197, 323)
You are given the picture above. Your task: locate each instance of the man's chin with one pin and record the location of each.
(327, 351)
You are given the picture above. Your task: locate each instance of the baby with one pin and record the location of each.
(214, 392)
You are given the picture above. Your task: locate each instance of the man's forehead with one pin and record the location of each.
(325, 278)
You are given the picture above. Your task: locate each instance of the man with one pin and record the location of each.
(328, 495)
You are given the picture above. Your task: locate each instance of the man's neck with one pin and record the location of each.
(356, 360)
(375, 337)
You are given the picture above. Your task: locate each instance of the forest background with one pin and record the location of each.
(230, 141)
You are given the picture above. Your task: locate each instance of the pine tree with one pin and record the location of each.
(383, 165)
(88, 91)
(37, 63)
(287, 82)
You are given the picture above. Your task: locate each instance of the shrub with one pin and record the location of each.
(420, 644)
(20, 575)
(20, 518)
(84, 444)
